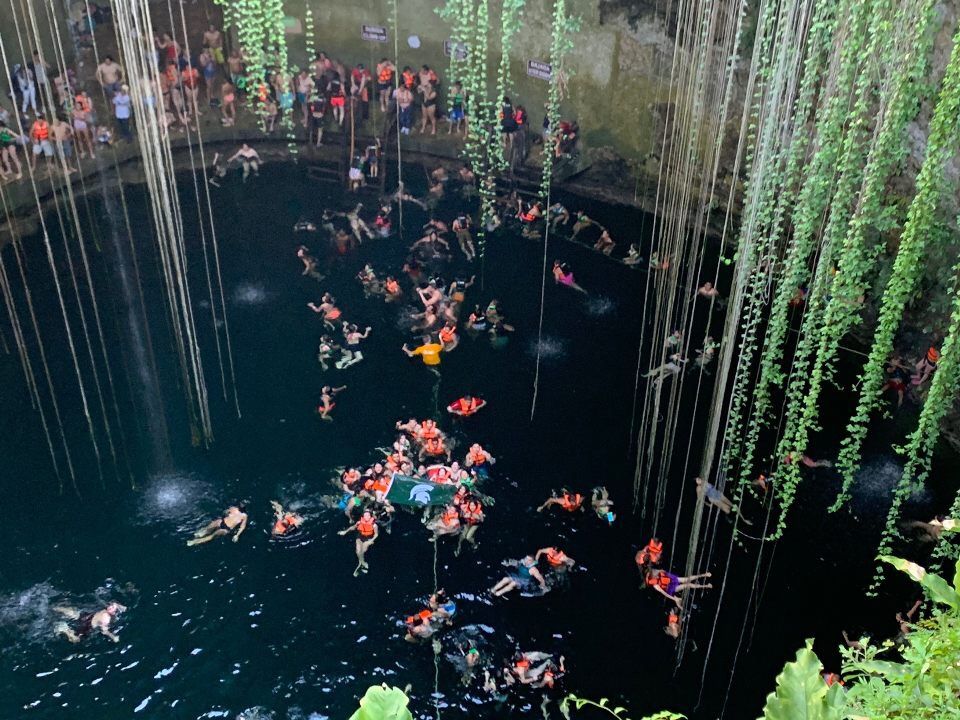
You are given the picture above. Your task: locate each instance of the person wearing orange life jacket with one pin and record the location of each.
(557, 559)
(428, 430)
(650, 554)
(569, 501)
(925, 367)
(668, 584)
(550, 675)
(532, 213)
(672, 628)
(391, 287)
(385, 73)
(471, 515)
(478, 457)
(446, 523)
(448, 337)
(435, 447)
(408, 78)
(286, 522)
(466, 406)
(419, 626)
(40, 136)
(368, 532)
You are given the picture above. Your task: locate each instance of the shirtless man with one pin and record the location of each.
(109, 75)
(213, 39)
(62, 135)
(86, 623)
(234, 521)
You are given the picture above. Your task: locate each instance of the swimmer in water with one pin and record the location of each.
(326, 350)
(649, 554)
(309, 263)
(234, 521)
(327, 404)
(471, 515)
(605, 243)
(461, 228)
(707, 290)
(557, 560)
(466, 406)
(445, 523)
(563, 275)
(582, 223)
(632, 258)
(672, 628)
(668, 584)
(602, 504)
(368, 532)
(88, 622)
(706, 355)
(712, 496)
(526, 577)
(569, 501)
(351, 351)
(327, 308)
(285, 522)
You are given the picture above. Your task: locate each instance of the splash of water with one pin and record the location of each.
(250, 294)
(177, 499)
(549, 348)
(27, 614)
(877, 479)
(599, 305)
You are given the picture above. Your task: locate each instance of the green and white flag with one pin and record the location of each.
(405, 490)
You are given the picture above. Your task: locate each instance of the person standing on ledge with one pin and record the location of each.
(121, 110)
(404, 98)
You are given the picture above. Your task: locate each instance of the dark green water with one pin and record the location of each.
(283, 625)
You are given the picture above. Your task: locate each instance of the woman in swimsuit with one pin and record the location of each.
(668, 584)
(429, 114)
(526, 577)
(563, 275)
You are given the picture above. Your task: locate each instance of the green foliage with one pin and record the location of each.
(925, 684)
(578, 703)
(381, 702)
(802, 694)
(907, 269)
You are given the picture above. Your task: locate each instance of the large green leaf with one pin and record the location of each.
(383, 703)
(802, 694)
(937, 588)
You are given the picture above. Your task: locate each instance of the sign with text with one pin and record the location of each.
(461, 49)
(540, 70)
(376, 33)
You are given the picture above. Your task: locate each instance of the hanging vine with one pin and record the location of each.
(908, 265)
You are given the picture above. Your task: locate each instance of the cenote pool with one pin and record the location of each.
(283, 626)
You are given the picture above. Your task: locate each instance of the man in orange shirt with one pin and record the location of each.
(428, 351)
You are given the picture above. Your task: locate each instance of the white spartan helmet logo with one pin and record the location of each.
(421, 493)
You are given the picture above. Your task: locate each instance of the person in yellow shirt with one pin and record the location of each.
(428, 351)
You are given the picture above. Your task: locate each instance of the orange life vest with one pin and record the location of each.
(385, 74)
(393, 287)
(83, 103)
(651, 553)
(472, 512)
(570, 503)
(409, 79)
(434, 446)
(478, 457)
(366, 528)
(423, 616)
(428, 432)
(555, 557)
(447, 335)
(286, 523)
(450, 517)
(40, 130)
(662, 580)
(933, 355)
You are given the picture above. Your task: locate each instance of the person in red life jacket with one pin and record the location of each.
(445, 523)
(40, 137)
(435, 447)
(527, 668)
(420, 626)
(466, 406)
(471, 515)
(672, 628)
(668, 584)
(602, 504)
(649, 554)
(448, 336)
(285, 521)
(368, 532)
(408, 78)
(385, 73)
(478, 458)
(557, 560)
(550, 675)
(532, 213)
(569, 501)
(520, 117)
(327, 404)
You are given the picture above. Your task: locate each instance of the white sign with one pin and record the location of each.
(376, 33)
(461, 49)
(540, 70)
